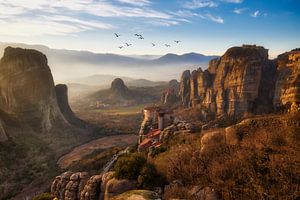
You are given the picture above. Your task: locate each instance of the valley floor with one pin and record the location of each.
(101, 143)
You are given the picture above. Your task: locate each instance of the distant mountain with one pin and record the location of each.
(67, 65)
(104, 81)
(185, 58)
(120, 94)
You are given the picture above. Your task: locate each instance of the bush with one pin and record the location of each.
(44, 196)
(129, 167)
(149, 177)
(136, 167)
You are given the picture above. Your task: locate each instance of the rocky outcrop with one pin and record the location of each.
(63, 103)
(170, 96)
(82, 186)
(287, 89)
(119, 89)
(115, 187)
(137, 195)
(27, 89)
(76, 186)
(3, 136)
(185, 90)
(243, 81)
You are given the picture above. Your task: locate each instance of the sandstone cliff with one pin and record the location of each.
(243, 81)
(171, 94)
(33, 130)
(27, 89)
(288, 79)
(63, 103)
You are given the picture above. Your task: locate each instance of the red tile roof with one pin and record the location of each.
(154, 133)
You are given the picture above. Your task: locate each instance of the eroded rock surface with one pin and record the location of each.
(243, 81)
(63, 103)
(27, 89)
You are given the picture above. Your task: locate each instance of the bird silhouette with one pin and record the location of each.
(153, 44)
(120, 47)
(167, 45)
(117, 35)
(177, 41)
(138, 35)
(141, 38)
(127, 44)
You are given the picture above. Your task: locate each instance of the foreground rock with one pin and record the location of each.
(137, 195)
(82, 186)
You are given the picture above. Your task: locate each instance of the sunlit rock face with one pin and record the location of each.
(288, 79)
(232, 84)
(27, 89)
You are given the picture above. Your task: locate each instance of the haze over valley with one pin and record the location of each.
(149, 100)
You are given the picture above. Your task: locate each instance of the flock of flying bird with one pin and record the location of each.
(140, 37)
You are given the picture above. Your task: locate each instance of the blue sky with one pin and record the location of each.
(203, 26)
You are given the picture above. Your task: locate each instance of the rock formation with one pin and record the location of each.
(81, 186)
(3, 136)
(27, 89)
(185, 89)
(242, 81)
(63, 103)
(170, 95)
(288, 79)
(119, 89)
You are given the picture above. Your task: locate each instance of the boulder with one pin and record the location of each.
(92, 189)
(137, 195)
(115, 187)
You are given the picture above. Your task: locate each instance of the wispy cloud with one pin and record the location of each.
(233, 1)
(136, 2)
(213, 18)
(195, 4)
(53, 17)
(255, 14)
(239, 10)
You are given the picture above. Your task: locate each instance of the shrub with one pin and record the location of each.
(149, 177)
(44, 196)
(136, 167)
(129, 167)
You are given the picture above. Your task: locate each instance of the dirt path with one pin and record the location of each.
(102, 143)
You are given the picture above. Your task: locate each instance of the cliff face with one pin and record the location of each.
(243, 81)
(27, 89)
(171, 94)
(63, 103)
(288, 79)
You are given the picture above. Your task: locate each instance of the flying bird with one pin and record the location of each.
(153, 44)
(167, 45)
(117, 35)
(127, 44)
(120, 47)
(177, 41)
(141, 38)
(138, 35)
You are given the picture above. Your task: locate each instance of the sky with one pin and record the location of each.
(203, 26)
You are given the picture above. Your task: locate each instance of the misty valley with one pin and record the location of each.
(149, 100)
